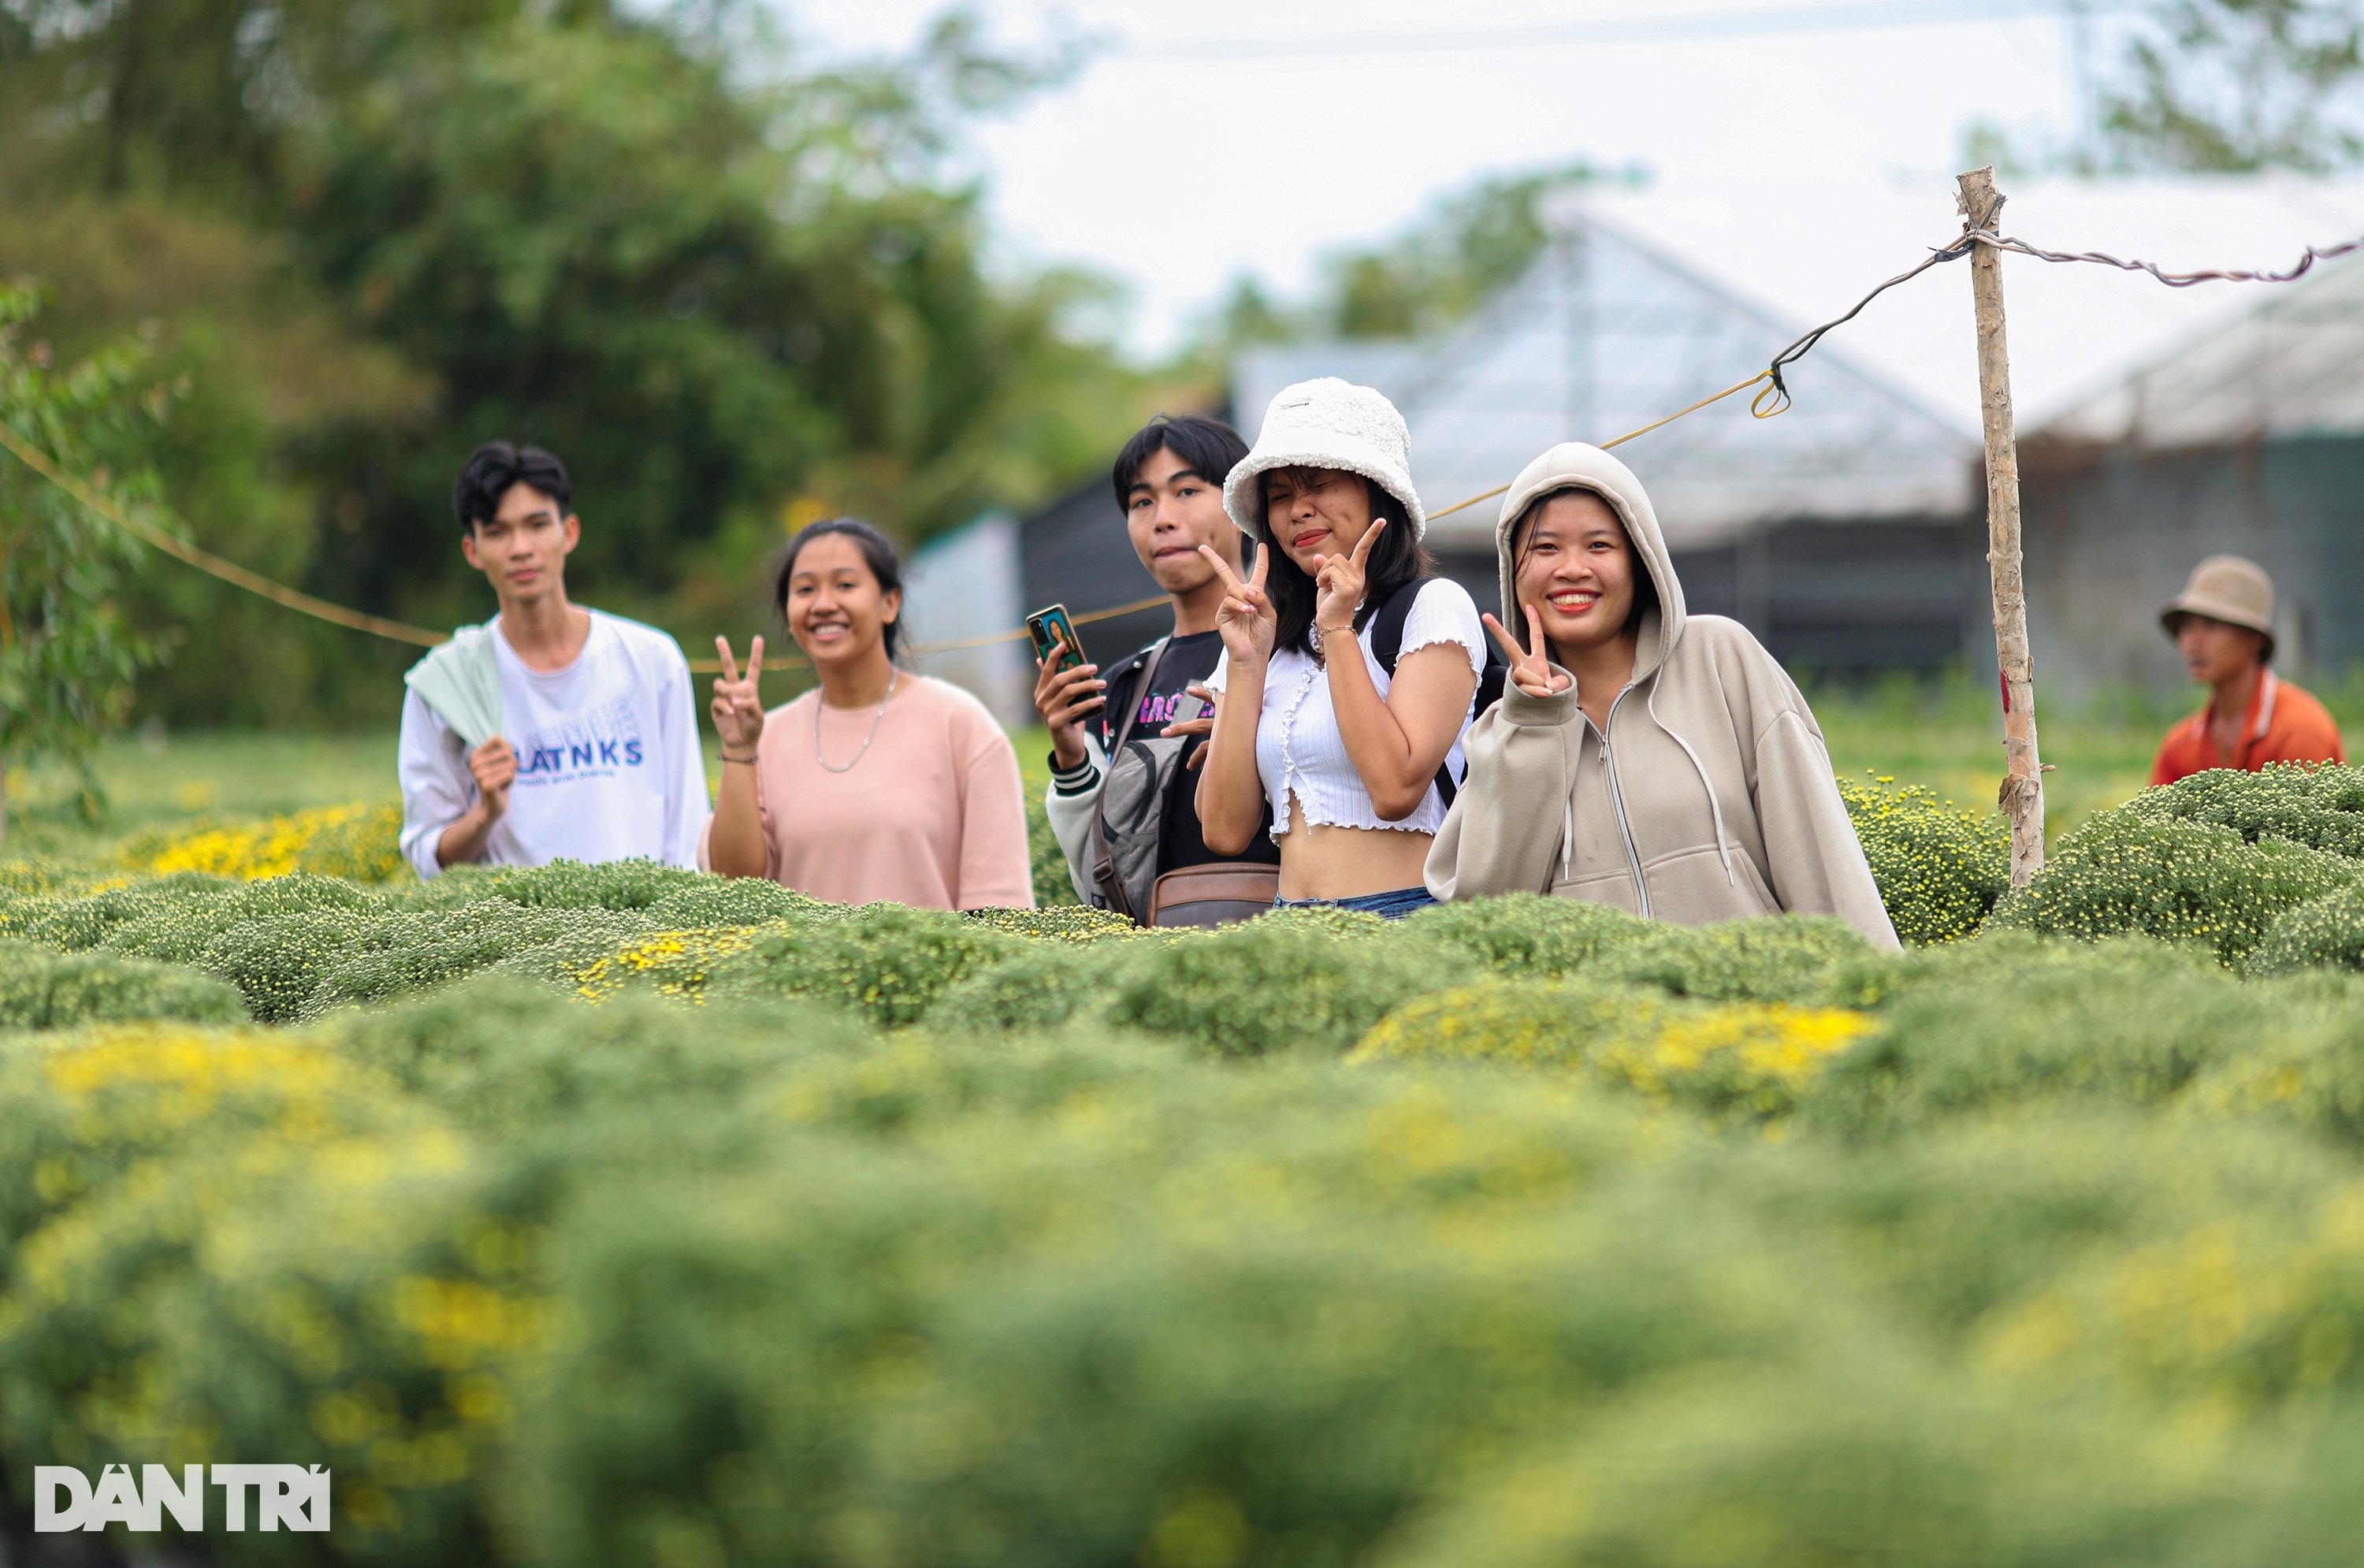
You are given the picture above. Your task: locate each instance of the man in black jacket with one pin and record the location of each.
(1169, 480)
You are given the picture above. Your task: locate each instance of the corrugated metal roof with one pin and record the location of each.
(2293, 366)
(1806, 249)
(1605, 334)
(1653, 297)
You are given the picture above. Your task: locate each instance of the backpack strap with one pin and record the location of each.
(1386, 646)
(1104, 876)
(1387, 624)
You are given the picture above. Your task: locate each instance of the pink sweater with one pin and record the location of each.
(933, 816)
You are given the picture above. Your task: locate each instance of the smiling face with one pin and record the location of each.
(2216, 651)
(1172, 510)
(1576, 567)
(835, 609)
(523, 548)
(1315, 511)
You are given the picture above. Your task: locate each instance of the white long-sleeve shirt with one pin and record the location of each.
(609, 765)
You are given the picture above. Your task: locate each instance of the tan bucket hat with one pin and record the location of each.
(2230, 589)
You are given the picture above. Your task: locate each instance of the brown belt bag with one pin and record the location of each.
(1215, 893)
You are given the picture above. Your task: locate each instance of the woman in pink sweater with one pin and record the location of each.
(878, 785)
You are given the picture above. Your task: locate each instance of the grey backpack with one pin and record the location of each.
(1129, 819)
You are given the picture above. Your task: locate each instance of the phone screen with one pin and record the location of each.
(1053, 633)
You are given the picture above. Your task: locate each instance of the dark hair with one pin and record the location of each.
(878, 554)
(1208, 448)
(493, 468)
(1645, 587)
(1395, 559)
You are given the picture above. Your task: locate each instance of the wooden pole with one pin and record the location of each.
(2021, 795)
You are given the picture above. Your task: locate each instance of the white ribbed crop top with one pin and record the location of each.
(1299, 747)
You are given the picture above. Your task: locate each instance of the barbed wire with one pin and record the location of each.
(1984, 235)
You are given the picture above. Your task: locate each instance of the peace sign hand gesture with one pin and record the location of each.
(1338, 582)
(1246, 619)
(1531, 672)
(737, 711)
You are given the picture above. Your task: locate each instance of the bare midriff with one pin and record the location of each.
(1323, 860)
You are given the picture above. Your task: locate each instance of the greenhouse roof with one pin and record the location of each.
(1651, 298)
(2078, 333)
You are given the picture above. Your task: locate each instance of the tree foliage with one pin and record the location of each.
(2210, 86)
(2242, 84)
(1468, 245)
(725, 286)
(67, 652)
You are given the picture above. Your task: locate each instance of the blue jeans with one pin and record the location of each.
(1392, 906)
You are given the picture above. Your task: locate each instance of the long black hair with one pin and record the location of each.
(1397, 559)
(878, 554)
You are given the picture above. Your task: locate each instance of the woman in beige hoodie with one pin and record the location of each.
(1640, 757)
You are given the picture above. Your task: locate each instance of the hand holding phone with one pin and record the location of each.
(1068, 690)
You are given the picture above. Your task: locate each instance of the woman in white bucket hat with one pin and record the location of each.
(1349, 671)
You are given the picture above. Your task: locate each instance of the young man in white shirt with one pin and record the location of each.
(554, 731)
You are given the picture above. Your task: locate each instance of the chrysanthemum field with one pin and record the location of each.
(622, 1216)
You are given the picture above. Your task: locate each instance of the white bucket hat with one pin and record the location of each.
(1326, 423)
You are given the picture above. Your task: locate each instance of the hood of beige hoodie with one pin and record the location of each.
(1572, 465)
(1716, 705)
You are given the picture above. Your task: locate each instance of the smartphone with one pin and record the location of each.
(1054, 637)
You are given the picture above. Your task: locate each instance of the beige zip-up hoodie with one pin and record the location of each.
(1709, 795)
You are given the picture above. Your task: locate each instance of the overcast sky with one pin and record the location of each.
(1218, 137)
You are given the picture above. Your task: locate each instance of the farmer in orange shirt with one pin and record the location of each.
(2223, 624)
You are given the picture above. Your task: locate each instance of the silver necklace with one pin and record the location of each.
(892, 676)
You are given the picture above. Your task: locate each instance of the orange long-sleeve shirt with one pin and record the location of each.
(2283, 725)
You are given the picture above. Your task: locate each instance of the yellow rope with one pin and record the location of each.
(378, 626)
(792, 661)
(206, 560)
(1756, 407)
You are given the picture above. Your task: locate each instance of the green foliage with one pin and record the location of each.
(1062, 922)
(1828, 1469)
(398, 953)
(911, 1237)
(249, 1241)
(1775, 958)
(883, 960)
(1128, 1388)
(1530, 934)
(1046, 861)
(67, 653)
(1339, 973)
(2225, 85)
(1939, 868)
(510, 1058)
(452, 221)
(2320, 806)
(2179, 880)
(1460, 253)
(615, 885)
(1041, 986)
(1519, 1024)
(2325, 931)
(42, 988)
(77, 919)
(359, 843)
(2125, 1022)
